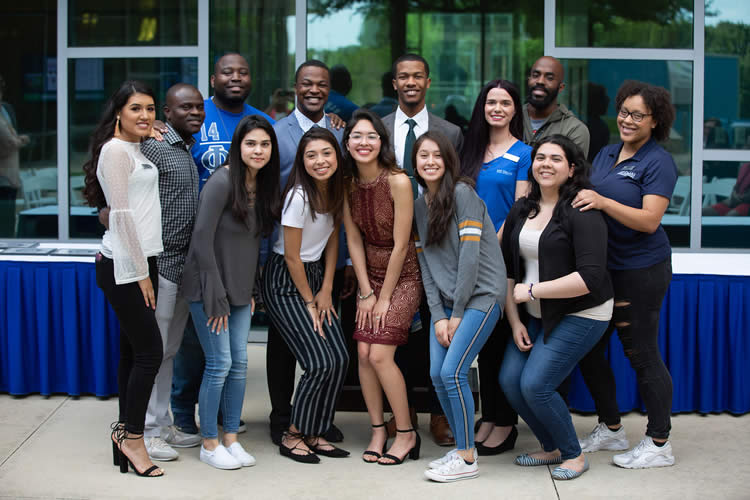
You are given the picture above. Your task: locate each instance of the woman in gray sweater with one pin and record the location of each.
(464, 275)
(239, 204)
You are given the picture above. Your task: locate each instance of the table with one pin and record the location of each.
(41, 222)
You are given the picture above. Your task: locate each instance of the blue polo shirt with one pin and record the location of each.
(650, 171)
(212, 142)
(496, 182)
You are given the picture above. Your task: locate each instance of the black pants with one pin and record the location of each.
(141, 347)
(639, 294)
(495, 406)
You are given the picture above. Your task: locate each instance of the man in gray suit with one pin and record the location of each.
(411, 79)
(312, 84)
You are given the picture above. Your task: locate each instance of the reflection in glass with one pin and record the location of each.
(28, 116)
(656, 24)
(726, 205)
(132, 22)
(590, 93)
(263, 32)
(727, 92)
(366, 38)
(91, 82)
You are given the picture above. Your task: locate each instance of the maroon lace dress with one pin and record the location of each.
(372, 210)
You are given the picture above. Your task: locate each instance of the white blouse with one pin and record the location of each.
(131, 186)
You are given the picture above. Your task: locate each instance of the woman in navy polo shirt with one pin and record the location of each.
(495, 156)
(633, 183)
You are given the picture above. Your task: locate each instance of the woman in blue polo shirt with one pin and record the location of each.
(495, 156)
(633, 183)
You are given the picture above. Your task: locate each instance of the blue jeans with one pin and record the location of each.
(449, 370)
(530, 379)
(226, 369)
(186, 380)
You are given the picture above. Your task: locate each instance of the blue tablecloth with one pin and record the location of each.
(59, 335)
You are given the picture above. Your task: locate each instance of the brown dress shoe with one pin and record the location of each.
(390, 426)
(441, 431)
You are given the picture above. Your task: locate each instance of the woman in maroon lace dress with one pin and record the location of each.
(378, 220)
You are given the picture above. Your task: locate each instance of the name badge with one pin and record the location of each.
(511, 157)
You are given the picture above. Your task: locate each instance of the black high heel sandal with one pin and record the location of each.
(116, 427)
(413, 453)
(120, 458)
(375, 454)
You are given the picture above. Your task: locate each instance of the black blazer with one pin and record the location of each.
(572, 241)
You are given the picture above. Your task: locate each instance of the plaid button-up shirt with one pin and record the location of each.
(178, 194)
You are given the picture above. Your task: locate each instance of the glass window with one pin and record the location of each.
(727, 93)
(90, 83)
(28, 120)
(94, 23)
(726, 205)
(656, 24)
(591, 88)
(263, 32)
(366, 38)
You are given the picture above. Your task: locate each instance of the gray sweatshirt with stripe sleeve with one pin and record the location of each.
(466, 269)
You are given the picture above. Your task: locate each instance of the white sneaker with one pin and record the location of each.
(646, 455)
(178, 439)
(604, 438)
(455, 470)
(158, 449)
(219, 458)
(447, 458)
(243, 457)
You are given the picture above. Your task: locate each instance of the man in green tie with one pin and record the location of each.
(411, 79)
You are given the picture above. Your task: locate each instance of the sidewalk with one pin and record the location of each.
(58, 447)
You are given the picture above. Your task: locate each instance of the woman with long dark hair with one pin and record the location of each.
(119, 176)
(633, 183)
(556, 260)
(297, 292)
(495, 156)
(238, 206)
(463, 276)
(378, 219)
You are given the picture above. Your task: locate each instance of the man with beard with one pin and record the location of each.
(543, 115)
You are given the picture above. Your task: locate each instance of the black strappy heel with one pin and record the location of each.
(119, 434)
(413, 453)
(375, 454)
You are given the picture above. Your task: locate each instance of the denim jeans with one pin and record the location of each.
(449, 369)
(530, 379)
(186, 380)
(226, 369)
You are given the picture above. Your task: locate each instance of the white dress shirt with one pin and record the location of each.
(306, 124)
(401, 128)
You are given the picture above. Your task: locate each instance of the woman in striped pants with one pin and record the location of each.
(297, 292)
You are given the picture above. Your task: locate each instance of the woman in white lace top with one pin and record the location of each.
(119, 176)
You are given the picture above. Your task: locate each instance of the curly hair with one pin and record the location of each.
(657, 99)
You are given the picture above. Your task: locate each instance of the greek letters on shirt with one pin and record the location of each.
(216, 152)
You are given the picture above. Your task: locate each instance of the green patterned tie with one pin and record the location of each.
(411, 138)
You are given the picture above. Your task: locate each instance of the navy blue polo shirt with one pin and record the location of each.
(650, 171)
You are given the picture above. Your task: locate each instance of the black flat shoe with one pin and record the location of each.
(370, 453)
(508, 444)
(413, 453)
(333, 453)
(308, 457)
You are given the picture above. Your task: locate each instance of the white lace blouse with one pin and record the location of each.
(131, 185)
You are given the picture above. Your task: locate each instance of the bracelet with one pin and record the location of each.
(531, 294)
(363, 297)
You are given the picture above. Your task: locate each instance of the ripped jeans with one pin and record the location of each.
(639, 294)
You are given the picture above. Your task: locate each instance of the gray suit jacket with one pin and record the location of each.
(289, 133)
(434, 122)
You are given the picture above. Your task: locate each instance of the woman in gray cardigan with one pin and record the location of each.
(239, 204)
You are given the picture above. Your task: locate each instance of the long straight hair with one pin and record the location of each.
(103, 132)
(333, 202)
(478, 135)
(386, 156)
(443, 204)
(267, 198)
(568, 191)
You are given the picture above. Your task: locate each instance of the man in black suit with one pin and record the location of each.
(411, 79)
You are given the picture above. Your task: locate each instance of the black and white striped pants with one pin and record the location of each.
(323, 360)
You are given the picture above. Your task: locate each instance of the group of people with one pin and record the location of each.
(503, 243)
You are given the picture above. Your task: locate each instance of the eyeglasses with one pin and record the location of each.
(357, 137)
(637, 116)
